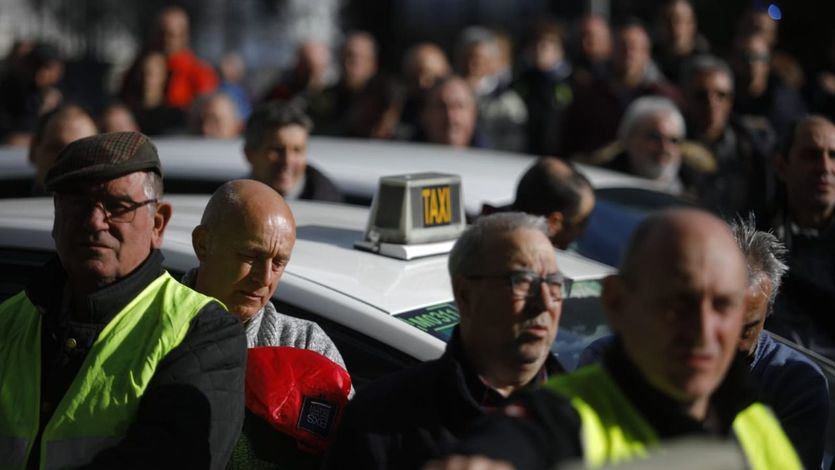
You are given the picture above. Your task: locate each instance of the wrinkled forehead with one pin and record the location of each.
(268, 231)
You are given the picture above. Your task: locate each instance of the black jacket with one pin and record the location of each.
(408, 418)
(802, 309)
(545, 427)
(192, 411)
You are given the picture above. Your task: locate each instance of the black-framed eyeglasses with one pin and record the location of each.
(115, 210)
(526, 284)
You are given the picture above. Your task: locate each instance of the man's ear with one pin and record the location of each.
(555, 221)
(161, 218)
(613, 298)
(200, 242)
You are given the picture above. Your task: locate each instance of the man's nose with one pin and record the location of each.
(540, 298)
(700, 319)
(95, 218)
(262, 272)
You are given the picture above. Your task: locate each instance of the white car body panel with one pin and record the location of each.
(356, 165)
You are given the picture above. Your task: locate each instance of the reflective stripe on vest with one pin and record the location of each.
(613, 431)
(102, 400)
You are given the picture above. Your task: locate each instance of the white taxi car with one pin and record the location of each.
(382, 313)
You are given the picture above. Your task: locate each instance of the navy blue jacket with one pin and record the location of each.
(790, 383)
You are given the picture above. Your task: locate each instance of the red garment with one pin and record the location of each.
(301, 393)
(188, 77)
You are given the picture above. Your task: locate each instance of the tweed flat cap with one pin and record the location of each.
(103, 157)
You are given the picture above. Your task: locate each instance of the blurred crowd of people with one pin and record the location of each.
(562, 90)
(570, 90)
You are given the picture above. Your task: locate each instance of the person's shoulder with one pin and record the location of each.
(214, 323)
(783, 355)
(788, 375)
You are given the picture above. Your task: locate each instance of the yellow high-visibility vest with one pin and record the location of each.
(612, 430)
(103, 398)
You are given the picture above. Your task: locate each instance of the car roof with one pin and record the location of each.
(355, 165)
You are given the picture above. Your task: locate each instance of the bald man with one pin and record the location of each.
(243, 243)
(55, 130)
(554, 189)
(677, 308)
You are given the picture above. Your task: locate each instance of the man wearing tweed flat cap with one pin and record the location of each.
(106, 361)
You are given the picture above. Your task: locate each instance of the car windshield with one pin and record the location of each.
(582, 321)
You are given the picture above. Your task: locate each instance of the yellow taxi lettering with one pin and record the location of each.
(426, 194)
(437, 206)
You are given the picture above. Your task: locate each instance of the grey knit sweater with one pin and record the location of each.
(270, 328)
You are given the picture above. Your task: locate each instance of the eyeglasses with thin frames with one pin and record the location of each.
(115, 210)
(526, 284)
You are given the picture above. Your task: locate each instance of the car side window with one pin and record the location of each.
(18, 267)
(367, 359)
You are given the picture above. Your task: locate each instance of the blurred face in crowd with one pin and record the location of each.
(426, 65)
(232, 68)
(758, 22)
(66, 126)
(173, 30)
(679, 312)
(654, 147)
(547, 52)
(312, 63)
(751, 64)
(281, 159)
(359, 60)
(595, 38)
(497, 321)
(118, 118)
(449, 115)
(243, 257)
(709, 101)
(632, 53)
(479, 61)
(809, 171)
(679, 26)
(218, 118)
(154, 78)
(48, 74)
(98, 249)
(756, 309)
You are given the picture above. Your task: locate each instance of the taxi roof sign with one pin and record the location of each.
(416, 209)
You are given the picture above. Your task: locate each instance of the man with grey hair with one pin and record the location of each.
(509, 291)
(649, 145)
(107, 360)
(741, 145)
(792, 385)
